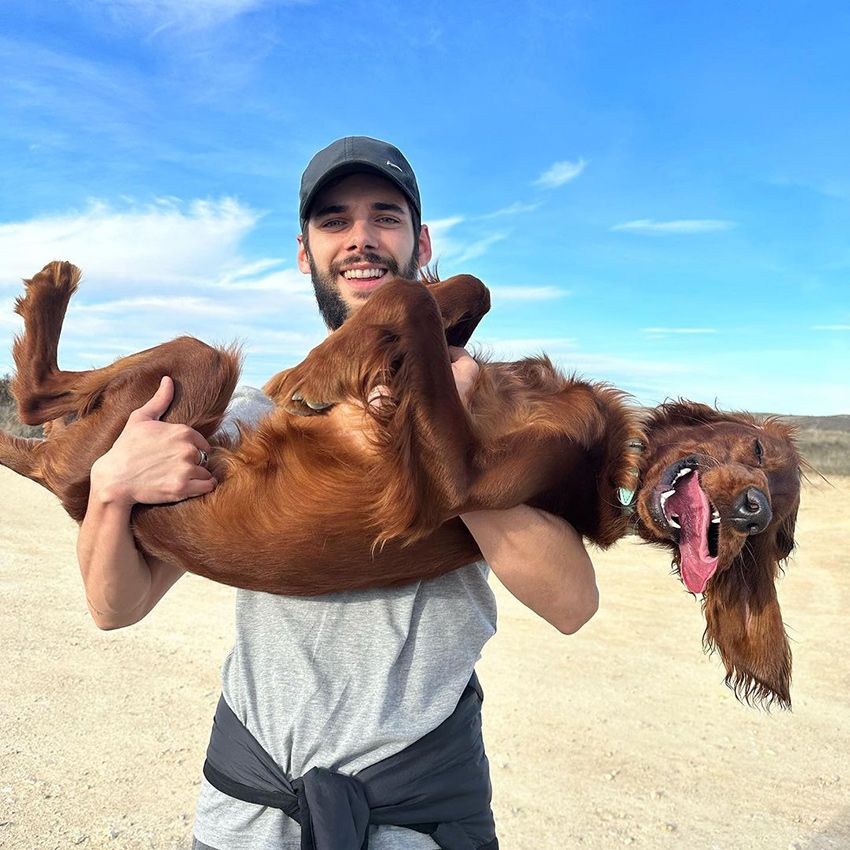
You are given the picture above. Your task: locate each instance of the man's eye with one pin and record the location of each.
(332, 222)
(388, 219)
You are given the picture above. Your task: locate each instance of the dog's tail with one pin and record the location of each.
(20, 454)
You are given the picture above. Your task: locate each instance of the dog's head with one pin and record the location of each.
(721, 491)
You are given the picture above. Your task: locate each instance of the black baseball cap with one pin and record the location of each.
(352, 155)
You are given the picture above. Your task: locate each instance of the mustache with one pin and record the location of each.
(385, 262)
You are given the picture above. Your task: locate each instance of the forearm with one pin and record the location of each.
(541, 560)
(121, 585)
(151, 463)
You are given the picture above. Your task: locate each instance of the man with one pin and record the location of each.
(350, 679)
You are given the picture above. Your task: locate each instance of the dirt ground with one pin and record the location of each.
(622, 734)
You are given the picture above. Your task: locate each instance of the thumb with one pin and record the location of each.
(159, 402)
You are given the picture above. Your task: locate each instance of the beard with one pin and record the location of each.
(331, 305)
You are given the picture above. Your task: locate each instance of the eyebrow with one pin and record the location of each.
(338, 209)
(389, 208)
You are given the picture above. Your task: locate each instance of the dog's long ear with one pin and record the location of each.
(744, 624)
(785, 536)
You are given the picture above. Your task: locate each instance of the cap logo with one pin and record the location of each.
(393, 165)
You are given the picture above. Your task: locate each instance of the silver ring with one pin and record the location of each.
(203, 458)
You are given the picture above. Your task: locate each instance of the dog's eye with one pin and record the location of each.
(759, 450)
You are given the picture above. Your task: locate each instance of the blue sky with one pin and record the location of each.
(658, 194)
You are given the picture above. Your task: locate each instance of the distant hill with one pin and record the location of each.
(820, 423)
(824, 441)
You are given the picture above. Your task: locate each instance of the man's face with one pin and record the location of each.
(359, 235)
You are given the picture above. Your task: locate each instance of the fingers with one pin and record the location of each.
(197, 487)
(456, 353)
(197, 440)
(465, 371)
(158, 403)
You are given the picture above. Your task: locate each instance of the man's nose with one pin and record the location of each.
(363, 236)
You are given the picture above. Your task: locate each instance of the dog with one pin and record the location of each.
(380, 504)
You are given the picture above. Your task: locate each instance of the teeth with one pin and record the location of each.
(666, 496)
(715, 516)
(672, 521)
(682, 473)
(362, 273)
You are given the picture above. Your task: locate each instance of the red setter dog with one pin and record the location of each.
(381, 503)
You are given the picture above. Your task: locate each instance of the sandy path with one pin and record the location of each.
(620, 735)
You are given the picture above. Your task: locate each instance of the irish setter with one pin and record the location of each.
(378, 505)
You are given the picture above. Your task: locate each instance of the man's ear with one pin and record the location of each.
(424, 246)
(303, 259)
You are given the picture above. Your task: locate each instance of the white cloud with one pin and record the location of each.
(527, 293)
(189, 15)
(559, 173)
(167, 242)
(684, 225)
(514, 348)
(154, 272)
(517, 208)
(451, 248)
(661, 331)
(178, 304)
(464, 252)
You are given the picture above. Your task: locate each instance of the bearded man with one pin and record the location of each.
(347, 710)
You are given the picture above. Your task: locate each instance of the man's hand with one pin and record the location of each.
(153, 462)
(465, 371)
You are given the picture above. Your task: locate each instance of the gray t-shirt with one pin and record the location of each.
(342, 681)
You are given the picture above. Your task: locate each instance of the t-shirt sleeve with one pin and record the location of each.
(248, 405)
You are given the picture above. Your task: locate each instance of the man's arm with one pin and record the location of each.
(541, 560)
(151, 462)
(538, 557)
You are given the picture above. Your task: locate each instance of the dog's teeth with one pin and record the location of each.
(715, 519)
(715, 515)
(673, 522)
(666, 496)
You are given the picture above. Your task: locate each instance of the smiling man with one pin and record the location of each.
(355, 712)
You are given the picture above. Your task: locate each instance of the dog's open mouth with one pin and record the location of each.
(681, 506)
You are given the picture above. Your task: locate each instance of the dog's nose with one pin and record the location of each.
(751, 511)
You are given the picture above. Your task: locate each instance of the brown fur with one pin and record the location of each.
(299, 490)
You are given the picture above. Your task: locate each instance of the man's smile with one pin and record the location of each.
(364, 276)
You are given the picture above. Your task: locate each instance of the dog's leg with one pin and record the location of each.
(89, 408)
(463, 302)
(41, 389)
(398, 340)
(20, 454)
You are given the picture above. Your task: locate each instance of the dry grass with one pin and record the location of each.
(8, 418)
(828, 452)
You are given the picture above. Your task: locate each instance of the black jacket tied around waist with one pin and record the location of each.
(439, 785)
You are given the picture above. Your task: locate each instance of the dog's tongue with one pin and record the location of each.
(694, 512)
